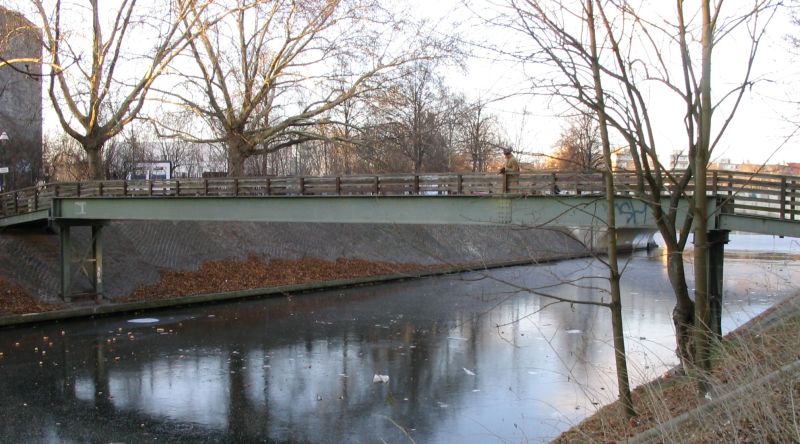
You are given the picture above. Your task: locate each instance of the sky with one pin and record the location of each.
(762, 131)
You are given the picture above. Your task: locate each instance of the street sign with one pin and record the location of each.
(3, 170)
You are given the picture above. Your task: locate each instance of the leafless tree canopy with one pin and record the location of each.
(579, 146)
(644, 53)
(271, 72)
(114, 55)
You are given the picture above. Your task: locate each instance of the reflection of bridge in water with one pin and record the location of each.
(756, 203)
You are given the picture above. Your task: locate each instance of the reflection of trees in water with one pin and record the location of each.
(271, 369)
(284, 404)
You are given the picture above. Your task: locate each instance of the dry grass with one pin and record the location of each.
(743, 407)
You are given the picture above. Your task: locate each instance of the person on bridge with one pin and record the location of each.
(511, 171)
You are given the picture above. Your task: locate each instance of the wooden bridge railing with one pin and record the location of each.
(764, 195)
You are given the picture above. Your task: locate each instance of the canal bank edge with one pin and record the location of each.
(111, 308)
(723, 414)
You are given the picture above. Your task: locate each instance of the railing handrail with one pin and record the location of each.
(764, 194)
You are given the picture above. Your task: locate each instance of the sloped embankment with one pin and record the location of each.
(136, 253)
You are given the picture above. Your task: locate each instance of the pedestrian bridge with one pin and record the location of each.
(756, 203)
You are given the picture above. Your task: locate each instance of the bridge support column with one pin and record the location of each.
(91, 264)
(716, 257)
(65, 255)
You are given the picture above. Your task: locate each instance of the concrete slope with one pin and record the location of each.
(135, 252)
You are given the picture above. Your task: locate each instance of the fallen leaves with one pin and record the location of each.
(255, 272)
(15, 300)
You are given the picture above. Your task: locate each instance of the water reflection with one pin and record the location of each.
(468, 360)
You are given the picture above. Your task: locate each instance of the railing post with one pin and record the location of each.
(338, 185)
(783, 197)
(302, 185)
(177, 187)
(100, 189)
(125, 188)
(730, 184)
(57, 190)
(16, 202)
(460, 187)
(78, 189)
(236, 186)
(714, 182)
(36, 199)
(375, 186)
(505, 183)
(269, 186)
(792, 198)
(149, 187)
(416, 184)
(205, 187)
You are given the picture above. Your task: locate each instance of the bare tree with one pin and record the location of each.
(481, 135)
(107, 81)
(408, 120)
(177, 151)
(268, 74)
(628, 79)
(64, 159)
(614, 274)
(579, 147)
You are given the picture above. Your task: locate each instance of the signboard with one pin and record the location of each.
(151, 171)
(3, 170)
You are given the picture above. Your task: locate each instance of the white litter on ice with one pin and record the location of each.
(143, 320)
(383, 379)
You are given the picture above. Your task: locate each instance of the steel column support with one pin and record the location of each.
(97, 263)
(65, 256)
(92, 266)
(716, 257)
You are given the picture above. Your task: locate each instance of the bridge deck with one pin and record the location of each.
(760, 203)
(745, 202)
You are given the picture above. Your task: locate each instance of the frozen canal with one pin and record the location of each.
(466, 358)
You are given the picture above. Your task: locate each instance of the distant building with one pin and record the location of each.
(678, 160)
(723, 164)
(20, 100)
(622, 160)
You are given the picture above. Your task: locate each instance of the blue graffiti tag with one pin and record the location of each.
(629, 210)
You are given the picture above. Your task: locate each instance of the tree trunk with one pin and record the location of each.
(236, 158)
(95, 157)
(702, 316)
(683, 313)
(620, 358)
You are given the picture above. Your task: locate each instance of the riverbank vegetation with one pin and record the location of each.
(754, 396)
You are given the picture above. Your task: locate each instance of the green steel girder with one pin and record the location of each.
(760, 225)
(25, 218)
(564, 211)
(577, 213)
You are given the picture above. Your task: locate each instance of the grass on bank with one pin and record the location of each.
(755, 395)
